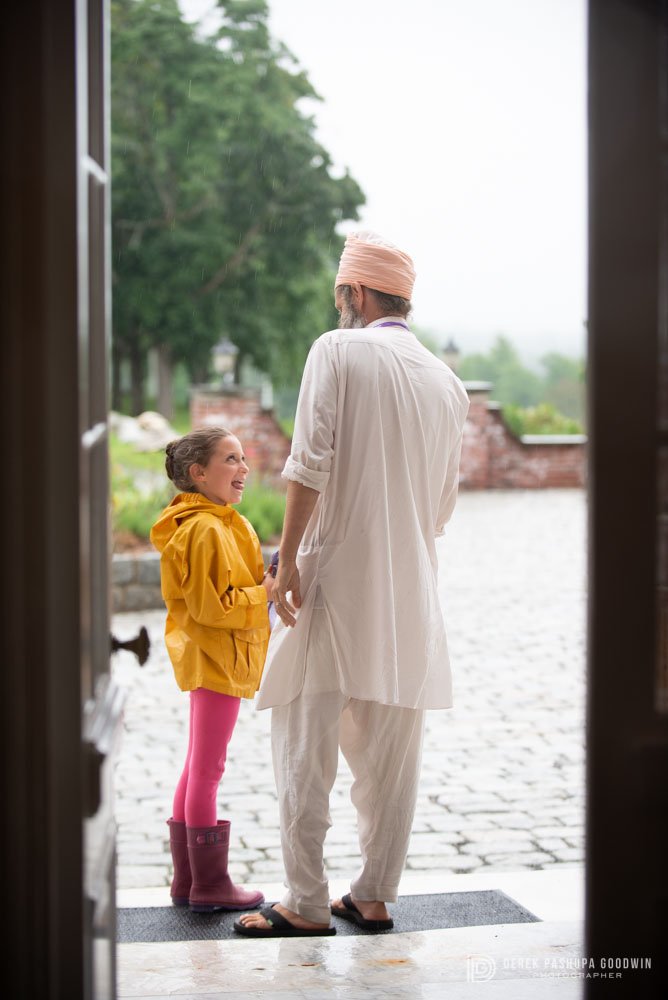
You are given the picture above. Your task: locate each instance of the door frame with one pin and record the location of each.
(47, 773)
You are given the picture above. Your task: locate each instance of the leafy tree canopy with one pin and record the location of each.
(224, 209)
(560, 383)
(513, 382)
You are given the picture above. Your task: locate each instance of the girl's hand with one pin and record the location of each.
(268, 584)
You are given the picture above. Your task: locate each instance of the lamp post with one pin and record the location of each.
(450, 354)
(224, 361)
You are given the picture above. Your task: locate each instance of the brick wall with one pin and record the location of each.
(494, 458)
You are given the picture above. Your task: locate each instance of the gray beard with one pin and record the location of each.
(351, 319)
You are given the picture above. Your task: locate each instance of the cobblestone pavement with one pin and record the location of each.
(503, 772)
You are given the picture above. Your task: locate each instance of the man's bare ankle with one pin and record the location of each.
(369, 903)
(297, 918)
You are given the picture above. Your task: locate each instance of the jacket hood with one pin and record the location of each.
(183, 507)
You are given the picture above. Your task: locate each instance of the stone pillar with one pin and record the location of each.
(474, 469)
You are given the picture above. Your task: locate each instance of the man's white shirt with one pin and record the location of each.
(378, 433)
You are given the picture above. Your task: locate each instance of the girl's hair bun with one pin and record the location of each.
(192, 448)
(169, 459)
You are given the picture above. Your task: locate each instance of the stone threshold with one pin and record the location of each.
(535, 961)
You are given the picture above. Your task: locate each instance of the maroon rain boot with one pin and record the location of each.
(182, 880)
(212, 887)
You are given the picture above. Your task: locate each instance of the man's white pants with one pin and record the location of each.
(383, 747)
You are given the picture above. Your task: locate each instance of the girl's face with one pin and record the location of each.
(223, 478)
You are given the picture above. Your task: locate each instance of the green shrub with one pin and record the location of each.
(287, 425)
(136, 512)
(265, 509)
(541, 419)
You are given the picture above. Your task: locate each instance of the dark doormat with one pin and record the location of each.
(410, 913)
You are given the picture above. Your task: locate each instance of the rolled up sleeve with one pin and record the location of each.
(310, 458)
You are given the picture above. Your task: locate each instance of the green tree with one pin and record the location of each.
(513, 382)
(224, 209)
(551, 402)
(565, 384)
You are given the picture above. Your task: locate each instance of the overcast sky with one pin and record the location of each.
(464, 122)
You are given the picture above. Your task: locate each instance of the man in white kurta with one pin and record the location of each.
(359, 651)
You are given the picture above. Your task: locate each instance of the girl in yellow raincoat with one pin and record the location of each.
(217, 632)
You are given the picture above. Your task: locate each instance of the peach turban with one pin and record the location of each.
(375, 263)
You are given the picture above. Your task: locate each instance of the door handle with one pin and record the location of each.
(140, 645)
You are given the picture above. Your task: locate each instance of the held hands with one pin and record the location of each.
(268, 583)
(286, 582)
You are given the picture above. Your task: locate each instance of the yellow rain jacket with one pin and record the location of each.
(211, 568)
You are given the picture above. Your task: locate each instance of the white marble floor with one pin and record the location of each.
(499, 962)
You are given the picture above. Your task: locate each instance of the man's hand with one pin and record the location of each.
(287, 582)
(299, 504)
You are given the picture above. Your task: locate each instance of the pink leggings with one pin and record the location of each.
(212, 720)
